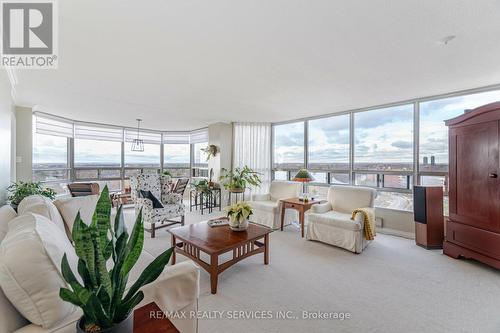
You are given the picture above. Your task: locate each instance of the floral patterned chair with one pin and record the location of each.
(161, 187)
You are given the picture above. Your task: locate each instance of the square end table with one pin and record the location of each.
(298, 205)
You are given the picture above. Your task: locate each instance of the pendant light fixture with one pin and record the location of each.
(138, 144)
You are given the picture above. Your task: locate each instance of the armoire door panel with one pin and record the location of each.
(476, 187)
(452, 167)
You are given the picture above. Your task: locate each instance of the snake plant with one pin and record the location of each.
(102, 293)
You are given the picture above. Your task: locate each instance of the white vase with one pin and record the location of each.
(238, 226)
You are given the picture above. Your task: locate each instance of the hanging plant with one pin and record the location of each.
(210, 150)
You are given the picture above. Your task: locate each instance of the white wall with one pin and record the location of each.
(221, 135)
(24, 143)
(7, 144)
(396, 222)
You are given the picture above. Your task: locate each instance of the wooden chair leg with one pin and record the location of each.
(153, 233)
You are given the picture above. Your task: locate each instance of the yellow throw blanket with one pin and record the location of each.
(368, 221)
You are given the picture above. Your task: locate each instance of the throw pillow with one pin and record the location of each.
(30, 263)
(150, 196)
(7, 213)
(40, 205)
(69, 208)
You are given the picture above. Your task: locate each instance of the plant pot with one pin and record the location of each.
(241, 226)
(236, 190)
(126, 326)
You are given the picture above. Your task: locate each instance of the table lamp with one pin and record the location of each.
(304, 177)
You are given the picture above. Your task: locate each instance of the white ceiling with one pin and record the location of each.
(183, 64)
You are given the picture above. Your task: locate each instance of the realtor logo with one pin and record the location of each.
(29, 34)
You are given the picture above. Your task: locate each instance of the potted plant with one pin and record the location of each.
(202, 186)
(102, 294)
(238, 179)
(167, 173)
(210, 150)
(19, 190)
(238, 216)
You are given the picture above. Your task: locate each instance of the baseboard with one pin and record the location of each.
(399, 233)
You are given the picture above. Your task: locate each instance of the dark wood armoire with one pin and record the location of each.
(473, 226)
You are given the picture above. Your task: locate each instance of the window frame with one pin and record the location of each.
(413, 176)
(68, 167)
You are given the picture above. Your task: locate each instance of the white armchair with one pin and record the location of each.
(161, 187)
(331, 222)
(266, 207)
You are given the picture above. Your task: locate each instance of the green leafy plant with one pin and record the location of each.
(19, 190)
(239, 212)
(239, 178)
(202, 186)
(167, 173)
(102, 295)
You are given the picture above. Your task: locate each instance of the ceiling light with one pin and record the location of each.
(446, 40)
(138, 144)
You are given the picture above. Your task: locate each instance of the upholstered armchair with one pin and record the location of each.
(331, 222)
(266, 207)
(160, 187)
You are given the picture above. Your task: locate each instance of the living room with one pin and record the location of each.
(275, 166)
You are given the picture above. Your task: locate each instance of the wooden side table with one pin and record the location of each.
(298, 205)
(144, 322)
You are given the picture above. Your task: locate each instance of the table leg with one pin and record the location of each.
(190, 201)
(214, 265)
(220, 200)
(201, 201)
(282, 215)
(173, 252)
(266, 249)
(301, 220)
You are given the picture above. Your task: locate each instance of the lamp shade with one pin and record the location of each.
(303, 176)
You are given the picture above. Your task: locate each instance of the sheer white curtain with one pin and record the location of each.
(252, 147)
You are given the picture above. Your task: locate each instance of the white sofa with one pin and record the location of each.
(177, 288)
(266, 207)
(331, 222)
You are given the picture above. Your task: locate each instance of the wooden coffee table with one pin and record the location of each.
(214, 241)
(300, 206)
(147, 319)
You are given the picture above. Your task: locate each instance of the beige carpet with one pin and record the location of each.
(394, 286)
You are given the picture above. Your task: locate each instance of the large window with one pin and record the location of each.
(49, 152)
(200, 163)
(100, 161)
(288, 146)
(433, 143)
(433, 131)
(328, 143)
(149, 158)
(176, 158)
(384, 139)
(50, 161)
(200, 157)
(93, 153)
